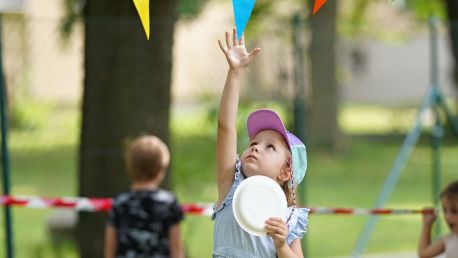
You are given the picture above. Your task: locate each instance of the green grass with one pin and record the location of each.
(44, 162)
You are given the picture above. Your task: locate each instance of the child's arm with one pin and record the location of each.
(110, 241)
(226, 142)
(426, 249)
(277, 229)
(176, 245)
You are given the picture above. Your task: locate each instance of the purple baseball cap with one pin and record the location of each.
(266, 119)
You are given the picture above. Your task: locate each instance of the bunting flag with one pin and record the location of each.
(318, 5)
(142, 7)
(242, 13)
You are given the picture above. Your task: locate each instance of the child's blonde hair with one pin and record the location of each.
(286, 185)
(289, 193)
(146, 156)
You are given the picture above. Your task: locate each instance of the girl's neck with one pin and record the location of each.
(145, 185)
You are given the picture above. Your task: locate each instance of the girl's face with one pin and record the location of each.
(450, 208)
(267, 155)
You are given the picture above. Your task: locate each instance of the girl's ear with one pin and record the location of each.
(285, 174)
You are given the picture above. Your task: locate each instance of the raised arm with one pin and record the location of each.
(426, 249)
(226, 142)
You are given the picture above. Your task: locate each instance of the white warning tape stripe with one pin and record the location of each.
(201, 209)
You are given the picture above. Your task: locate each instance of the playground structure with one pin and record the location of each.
(435, 102)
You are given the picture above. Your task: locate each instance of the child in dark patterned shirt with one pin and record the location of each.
(145, 220)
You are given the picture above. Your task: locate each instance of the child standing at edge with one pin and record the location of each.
(448, 244)
(272, 152)
(145, 220)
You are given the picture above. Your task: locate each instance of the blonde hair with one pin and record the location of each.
(145, 157)
(285, 186)
(288, 192)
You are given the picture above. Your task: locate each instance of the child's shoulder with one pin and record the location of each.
(158, 195)
(163, 195)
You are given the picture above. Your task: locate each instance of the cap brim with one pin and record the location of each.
(265, 119)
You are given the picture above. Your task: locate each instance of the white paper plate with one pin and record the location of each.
(257, 199)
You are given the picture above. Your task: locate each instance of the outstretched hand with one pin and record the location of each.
(236, 54)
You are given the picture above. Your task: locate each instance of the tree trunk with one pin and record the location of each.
(126, 93)
(324, 127)
(452, 12)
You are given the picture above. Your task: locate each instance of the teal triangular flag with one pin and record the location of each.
(242, 12)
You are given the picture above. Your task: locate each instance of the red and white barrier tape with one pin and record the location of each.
(200, 209)
(363, 211)
(77, 203)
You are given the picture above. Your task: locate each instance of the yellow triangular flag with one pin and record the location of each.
(143, 11)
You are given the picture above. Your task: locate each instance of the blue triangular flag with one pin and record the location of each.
(242, 12)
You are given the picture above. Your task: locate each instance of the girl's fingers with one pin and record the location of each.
(222, 47)
(242, 39)
(254, 52)
(234, 37)
(275, 234)
(276, 229)
(273, 218)
(280, 234)
(275, 224)
(276, 221)
(228, 41)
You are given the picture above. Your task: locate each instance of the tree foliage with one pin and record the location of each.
(73, 9)
(426, 8)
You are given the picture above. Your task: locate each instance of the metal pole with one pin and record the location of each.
(299, 103)
(433, 22)
(437, 132)
(5, 156)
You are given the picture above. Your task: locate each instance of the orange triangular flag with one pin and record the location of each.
(143, 11)
(318, 5)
